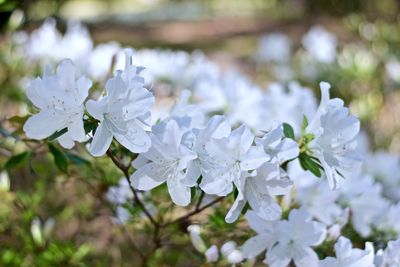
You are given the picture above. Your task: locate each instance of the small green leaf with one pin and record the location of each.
(58, 134)
(90, 126)
(18, 120)
(60, 158)
(17, 160)
(77, 160)
(288, 130)
(304, 124)
(311, 164)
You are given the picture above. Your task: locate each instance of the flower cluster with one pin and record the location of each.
(225, 135)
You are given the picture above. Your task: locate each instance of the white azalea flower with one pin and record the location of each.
(279, 148)
(294, 239)
(232, 155)
(274, 47)
(385, 168)
(123, 113)
(321, 44)
(212, 254)
(217, 127)
(299, 102)
(334, 143)
(230, 252)
(264, 239)
(269, 180)
(346, 256)
(258, 189)
(390, 257)
(196, 239)
(166, 161)
(60, 99)
(321, 202)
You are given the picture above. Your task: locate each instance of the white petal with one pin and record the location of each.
(66, 141)
(258, 224)
(149, 176)
(97, 108)
(262, 203)
(43, 124)
(309, 260)
(136, 139)
(101, 141)
(180, 193)
(37, 94)
(273, 258)
(254, 158)
(75, 128)
(236, 209)
(255, 245)
(83, 85)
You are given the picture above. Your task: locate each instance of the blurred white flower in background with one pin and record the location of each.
(274, 47)
(321, 44)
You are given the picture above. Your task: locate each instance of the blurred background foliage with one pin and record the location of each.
(52, 217)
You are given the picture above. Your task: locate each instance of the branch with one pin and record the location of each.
(125, 169)
(194, 212)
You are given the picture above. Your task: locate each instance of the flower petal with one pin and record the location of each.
(101, 141)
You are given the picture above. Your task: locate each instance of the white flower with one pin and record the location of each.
(298, 102)
(346, 256)
(321, 44)
(195, 238)
(334, 143)
(390, 257)
(385, 168)
(123, 113)
(264, 239)
(4, 181)
(217, 127)
(235, 95)
(258, 189)
(321, 202)
(166, 161)
(119, 194)
(231, 253)
(364, 197)
(232, 155)
(277, 146)
(212, 254)
(60, 99)
(269, 180)
(274, 47)
(294, 238)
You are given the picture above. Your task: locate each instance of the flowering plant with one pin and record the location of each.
(292, 170)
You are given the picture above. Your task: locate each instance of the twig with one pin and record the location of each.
(194, 212)
(125, 170)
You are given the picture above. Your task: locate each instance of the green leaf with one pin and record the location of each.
(304, 124)
(17, 160)
(90, 126)
(77, 160)
(58, 134)
(18, 120)
(311, 164)
(60, 158)
(288, 130)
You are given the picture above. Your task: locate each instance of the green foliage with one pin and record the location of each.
(17, 160)
(288, 131)
(311, 164)
(60, 158)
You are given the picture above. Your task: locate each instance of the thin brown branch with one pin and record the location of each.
(125, 170)
(194, 212)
